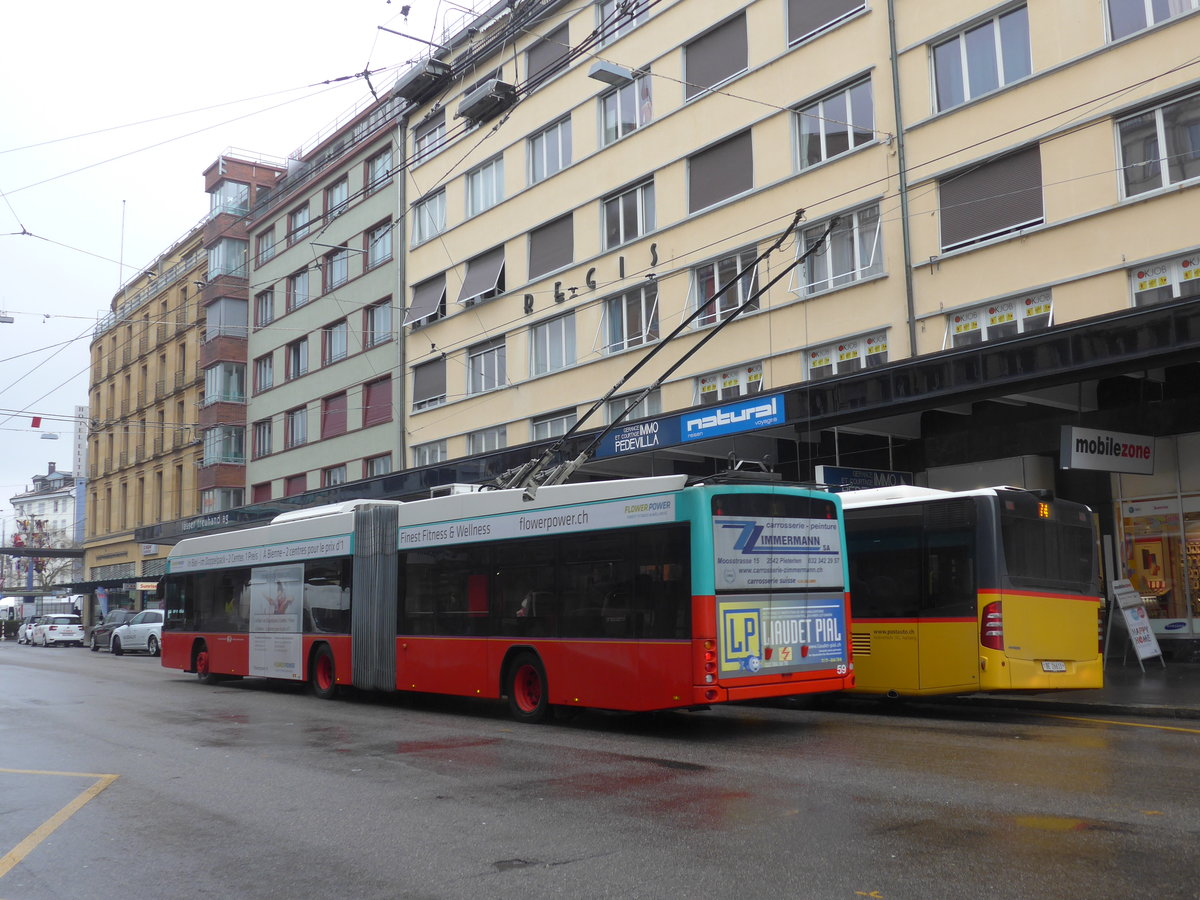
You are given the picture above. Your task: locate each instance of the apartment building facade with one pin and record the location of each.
(955, 235)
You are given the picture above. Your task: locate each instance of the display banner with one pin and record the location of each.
(1106, 451)
(276, 619)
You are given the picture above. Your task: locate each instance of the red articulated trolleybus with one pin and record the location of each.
(643, 594)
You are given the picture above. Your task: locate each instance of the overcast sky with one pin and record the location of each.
(93, 187)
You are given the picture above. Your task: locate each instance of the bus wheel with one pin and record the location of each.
(528, 697)
(323, 674)
(202, 666)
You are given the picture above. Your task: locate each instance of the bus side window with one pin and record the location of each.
(885, 562)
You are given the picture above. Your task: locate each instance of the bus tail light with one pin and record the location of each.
(991, 631)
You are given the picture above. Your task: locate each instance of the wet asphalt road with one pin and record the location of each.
(258, 790)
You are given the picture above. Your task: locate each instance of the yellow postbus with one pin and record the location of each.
(993, 589)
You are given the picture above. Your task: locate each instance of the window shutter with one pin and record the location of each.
(807, 16)
(991, 199)
(720, 172)
(551, 246)
(377, 401)
(713, 57)
(429, 381)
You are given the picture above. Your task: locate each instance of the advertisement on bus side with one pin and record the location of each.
(772, 633)
(276, 618)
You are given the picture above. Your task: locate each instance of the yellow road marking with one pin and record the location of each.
(1129, 724)
(47, 828)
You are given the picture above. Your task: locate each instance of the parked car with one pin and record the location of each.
(141, 633)
(25, 632)
(102, 633)
(58, 628)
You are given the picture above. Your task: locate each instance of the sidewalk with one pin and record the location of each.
(1173, 692)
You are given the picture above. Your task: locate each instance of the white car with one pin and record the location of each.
(142, 632)
(59, 628)
(25, 632)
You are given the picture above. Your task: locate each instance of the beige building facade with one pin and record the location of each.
(951, 231)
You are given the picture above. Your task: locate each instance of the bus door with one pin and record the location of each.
(948, 629)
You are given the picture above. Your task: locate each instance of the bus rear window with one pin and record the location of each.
(1048, 545)
(775, 506)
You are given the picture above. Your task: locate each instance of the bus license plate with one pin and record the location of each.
(1053, 665)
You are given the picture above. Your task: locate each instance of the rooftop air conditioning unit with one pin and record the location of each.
(451, 490)
(488, 100)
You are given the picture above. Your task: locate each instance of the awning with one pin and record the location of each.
(428, 297)
(483, 274)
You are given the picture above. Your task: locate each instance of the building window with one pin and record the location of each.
(1167, 280)
(225, 317)
(650, 405)
(806, 18)
(333, 476)
(297, 224)
(377, 401)
(375, 466)
(552, 246)
(379, 244)
(552, 345)
(721, 387)
(487, 440)
(224, 444)
(550, 151)
(619, 17)
(429, 135)
(379, 170)
(297, 358)
(1002, 319)
(377, 323)
(991, 199)
(846, 356)
(429, 384)
(297, 289)
(264, 373)
(429, 217)
(334, 340)
(262, 439)
(264, 307)
(227, 257)
(337, 268)
(632, 318)
(225, 383)
(982, 58)
(486, 366)
(851, 253)
(484, 279)
(711, 277)
(1161, 146)
(547, 57)
(628, 215)
(429, 454)
(835, 124)
(428, 303)
(625, 109)
(715, 56)
(553, 425)
(216, 500)
(294, 485)
(260, 493)
(337, 198)
(333, 416)
(296, 427)
(265, 245)
(485, 186)
(231, 197)
(1127, 16)
(720, 172)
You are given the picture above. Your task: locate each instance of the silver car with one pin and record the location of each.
(59, 628)
(143, 633)
(25, 632)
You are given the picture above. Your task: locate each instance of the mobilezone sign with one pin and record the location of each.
(711, 422)
(1106, 451)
